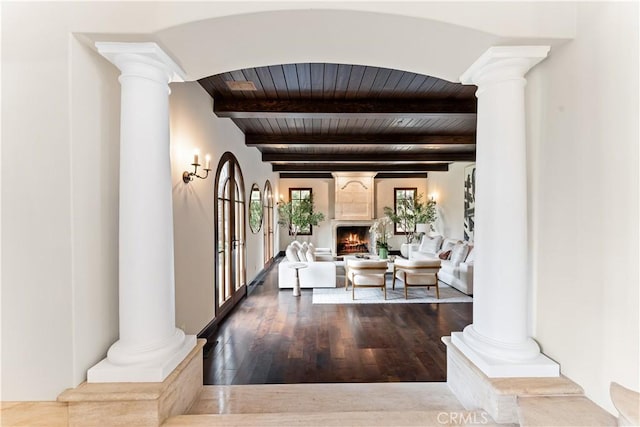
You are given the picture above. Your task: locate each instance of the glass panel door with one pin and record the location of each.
(230, 235)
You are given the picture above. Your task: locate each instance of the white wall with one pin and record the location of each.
(94, 186)
(36, 225)
(323, 201)
(193, 125)
(449, 190)
(583, 150)
(60, 114)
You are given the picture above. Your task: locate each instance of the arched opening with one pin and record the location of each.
(230, 232)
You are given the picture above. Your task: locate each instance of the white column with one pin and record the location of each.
(150, 346)
(497, 341)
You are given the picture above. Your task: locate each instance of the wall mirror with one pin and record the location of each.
(255, 209)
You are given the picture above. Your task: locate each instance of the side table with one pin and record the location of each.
(296, 286)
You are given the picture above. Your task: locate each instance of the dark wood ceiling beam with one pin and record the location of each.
(318, 109)
(302, 175)
(259, 140)
(437, 156)
(391, 175)
(360, 167)
(327, 175)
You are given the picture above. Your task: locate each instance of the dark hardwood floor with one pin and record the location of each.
(274, 338)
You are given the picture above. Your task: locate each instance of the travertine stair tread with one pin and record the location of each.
(536, 386)
(299, 398)
(550, 411)
(337, 419)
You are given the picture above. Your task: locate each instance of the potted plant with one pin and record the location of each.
(381, 234)
(298, 216)
(411, 211)
(426, 214)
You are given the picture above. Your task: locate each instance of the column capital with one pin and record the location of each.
(502, 63)
(148, 53)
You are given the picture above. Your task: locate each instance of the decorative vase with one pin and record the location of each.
(383, 253)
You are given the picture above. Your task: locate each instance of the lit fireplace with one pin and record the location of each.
(352, 240)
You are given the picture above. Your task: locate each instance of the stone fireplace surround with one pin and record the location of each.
(354, 201)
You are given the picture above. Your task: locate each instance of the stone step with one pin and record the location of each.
(360, 404)
(550, 411)
(301, 398)
(336, 419)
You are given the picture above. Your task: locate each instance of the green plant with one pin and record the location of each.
(298, 215)
(427, 213)
(255, 215)
(412, 211)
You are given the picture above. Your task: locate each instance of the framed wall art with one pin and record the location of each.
(469, 201)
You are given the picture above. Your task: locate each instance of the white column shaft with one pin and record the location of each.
(146, 212)
(500, 309)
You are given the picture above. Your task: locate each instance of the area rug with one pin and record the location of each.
(374, 295)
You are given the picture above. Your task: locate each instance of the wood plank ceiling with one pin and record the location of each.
(313, 119)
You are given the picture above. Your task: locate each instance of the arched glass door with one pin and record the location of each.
(267, 224)
(230, 235)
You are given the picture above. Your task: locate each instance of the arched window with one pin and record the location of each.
(230, 232)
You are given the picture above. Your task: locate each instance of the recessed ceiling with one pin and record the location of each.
(312, 118)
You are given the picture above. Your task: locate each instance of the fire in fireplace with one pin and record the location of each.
(352, 239)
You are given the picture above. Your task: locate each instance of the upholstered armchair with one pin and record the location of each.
(365, 274)
(416, 273)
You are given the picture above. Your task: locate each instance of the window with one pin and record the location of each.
(296, 195)
(402, 201)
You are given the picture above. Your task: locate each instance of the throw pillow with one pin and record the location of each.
(311, 256)
(302, 254)
(292, 254)
(430, 244)
(471, 257)
(444, 255)
(459, 253)
(447, 245)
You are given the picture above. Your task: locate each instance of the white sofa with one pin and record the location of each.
(319, 273)
(456, 270)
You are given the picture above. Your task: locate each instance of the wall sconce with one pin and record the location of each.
(433, 196)
(187, 177)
